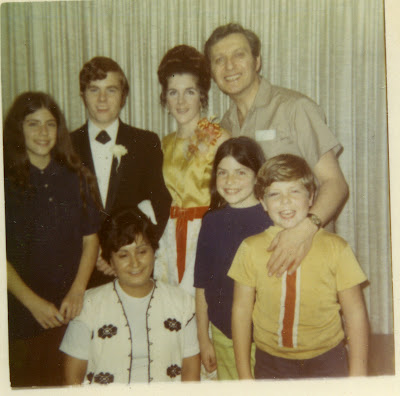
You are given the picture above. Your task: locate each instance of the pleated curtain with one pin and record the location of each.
(331, 50)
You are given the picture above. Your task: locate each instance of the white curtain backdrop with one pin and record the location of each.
(330, 50)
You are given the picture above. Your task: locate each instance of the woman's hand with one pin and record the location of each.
(72, 304)
(208, 357)
(289, 248)
(45, 313)
(104, 267)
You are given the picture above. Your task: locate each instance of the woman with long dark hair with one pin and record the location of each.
(52, 245)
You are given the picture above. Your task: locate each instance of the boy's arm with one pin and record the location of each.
(206, 346)
(74, 370)
(356, 329)
(191, 368)
(242, 310)
(71, 305)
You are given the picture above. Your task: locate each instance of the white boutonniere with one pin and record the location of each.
(119, 151)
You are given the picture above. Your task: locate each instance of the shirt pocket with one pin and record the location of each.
(277, 141)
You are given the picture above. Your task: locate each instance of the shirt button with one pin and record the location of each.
(51, 199)
(41, 172)
(46, 185)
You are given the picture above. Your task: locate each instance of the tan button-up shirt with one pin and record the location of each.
(284, 121)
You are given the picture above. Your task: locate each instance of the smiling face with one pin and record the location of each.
(40, 133)
(287, 202)
(103, 100)
(183, 100)
(233, 66)
(235, 183)
(134, 265)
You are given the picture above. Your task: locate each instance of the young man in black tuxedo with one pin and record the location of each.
(126, 161)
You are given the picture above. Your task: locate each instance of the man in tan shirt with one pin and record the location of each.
(282, 121)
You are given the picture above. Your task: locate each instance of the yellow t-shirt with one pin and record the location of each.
(297, 316)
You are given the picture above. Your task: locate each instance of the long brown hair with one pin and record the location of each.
(16, 161)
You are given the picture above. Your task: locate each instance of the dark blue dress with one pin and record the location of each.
(44, 233)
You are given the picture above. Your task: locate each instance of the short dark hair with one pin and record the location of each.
(122, 228)
(225, 30)
(282, 168)
(185, 59)
(244, 150)
(97, 69)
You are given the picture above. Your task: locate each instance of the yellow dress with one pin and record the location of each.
(187, 172)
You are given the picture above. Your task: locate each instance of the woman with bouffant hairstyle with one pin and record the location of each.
(185, 59)
(185, 79)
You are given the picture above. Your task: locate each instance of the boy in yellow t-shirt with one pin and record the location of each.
(297, 325)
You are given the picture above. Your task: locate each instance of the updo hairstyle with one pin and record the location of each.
(185, 59)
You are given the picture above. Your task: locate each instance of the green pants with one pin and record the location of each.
(223, 346)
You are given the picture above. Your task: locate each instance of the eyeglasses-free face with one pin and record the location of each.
(134, 266)
(40, 133)
(235, 183)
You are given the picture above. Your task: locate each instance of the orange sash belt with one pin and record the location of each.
(183, 215)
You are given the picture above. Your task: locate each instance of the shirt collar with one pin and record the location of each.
(111, 130)
(264, 93)
(262, 98)
(50, 169)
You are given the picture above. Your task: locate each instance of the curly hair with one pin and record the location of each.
(16, 160)
(185, 59)
(97, 69)
(122, 228)
(282, 168)
(244, 150)
(225, 30)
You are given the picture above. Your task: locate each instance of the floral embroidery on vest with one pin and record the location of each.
(172, 324)
(107, 331)
(104, 378)
(173, 371)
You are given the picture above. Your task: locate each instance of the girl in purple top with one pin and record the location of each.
(235, 214)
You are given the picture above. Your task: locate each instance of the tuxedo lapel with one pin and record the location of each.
(116, 170)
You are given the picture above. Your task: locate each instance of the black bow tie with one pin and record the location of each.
(103, 137)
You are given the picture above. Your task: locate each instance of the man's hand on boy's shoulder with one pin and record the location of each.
(290, 247)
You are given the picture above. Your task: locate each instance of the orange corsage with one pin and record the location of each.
(205, 135)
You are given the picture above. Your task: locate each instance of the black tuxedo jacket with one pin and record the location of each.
(139, 175)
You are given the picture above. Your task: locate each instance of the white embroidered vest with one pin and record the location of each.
(110, 358)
